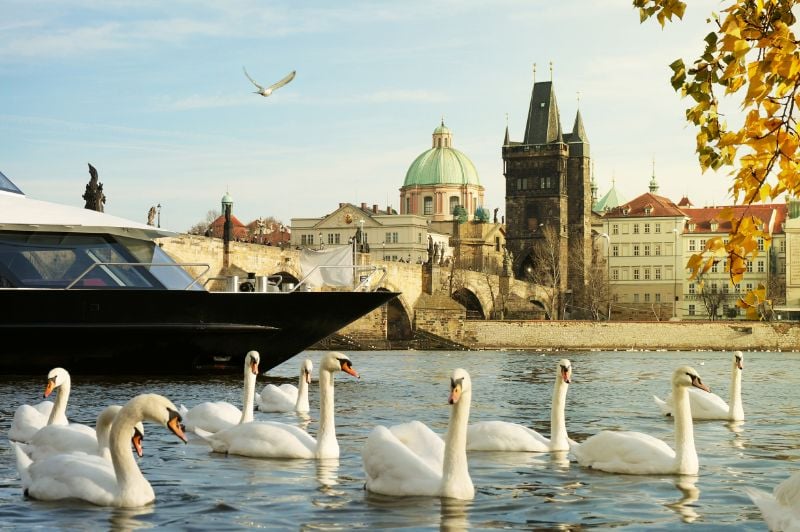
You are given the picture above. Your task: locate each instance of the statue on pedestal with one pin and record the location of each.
(94, 192)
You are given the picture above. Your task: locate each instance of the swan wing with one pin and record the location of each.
(263, 440)
(28, 420)
(778, 516)
(74, 476)
(252, 80)
(286, 79)
(394, 469)
(57, 439)
(212, 416)
(277, 399)
(505, 436)
(707, 405)
(422, 441)
(788, 491)
(633, 453)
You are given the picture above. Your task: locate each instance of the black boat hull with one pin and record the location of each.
(167, 331)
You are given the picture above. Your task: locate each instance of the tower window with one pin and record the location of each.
(427, 206)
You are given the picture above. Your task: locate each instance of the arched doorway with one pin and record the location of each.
(470, 302)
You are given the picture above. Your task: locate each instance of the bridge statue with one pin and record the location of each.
(151, 216)
(94, 192)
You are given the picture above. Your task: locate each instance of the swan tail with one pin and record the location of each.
(182, 410)
(217, 445)
(662, 405)
(23, 464)
(770, 509)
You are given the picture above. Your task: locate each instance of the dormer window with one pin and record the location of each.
(714, 225)
(648, 209)
(626, 209)
(692, 226)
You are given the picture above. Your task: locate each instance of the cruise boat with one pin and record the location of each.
(96, 294)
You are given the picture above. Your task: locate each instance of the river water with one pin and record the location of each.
(199, 490)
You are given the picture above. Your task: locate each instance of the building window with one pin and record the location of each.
(310, 240)
(737, 289)
(636, 274)
(647, 250)
(615, 274)
(713, 288)
(657, 249)
(615, 250)
(647, 298)
(636, 250)
(658, 298)
(782, 246)
(647, 274)
(614, 229)
(657, 274)
(691, 288)
(427, 206)
(691, 310)
(658, 228)
(646, 229)
(692, 244)
(714, 267)
(761, 266)
(635, 229)
(635, 298)
(453, 203)
(702, 244)
(724, 288)
(303, 240)
(761, 244)
(750, 266)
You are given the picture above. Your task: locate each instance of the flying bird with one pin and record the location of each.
(269, 90)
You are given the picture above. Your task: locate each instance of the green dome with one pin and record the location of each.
(441, 129)
(442, 166)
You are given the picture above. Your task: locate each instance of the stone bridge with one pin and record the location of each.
(475, 295)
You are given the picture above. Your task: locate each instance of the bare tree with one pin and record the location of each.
(596, 299)
(712, 300)
(547, 270)
(200, 228)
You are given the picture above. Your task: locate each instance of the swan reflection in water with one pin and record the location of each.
(124, 519)
(454, 515)
(328, 473)
(736, 427)
(687, 485)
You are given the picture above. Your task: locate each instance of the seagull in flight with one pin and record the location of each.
(269, 90)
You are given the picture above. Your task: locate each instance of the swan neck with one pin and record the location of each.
(248, 395)
(129, 476)
(58, 415)
(685, 452)
(327, 446)
(558, 424)
(456, 481)
(735, 409)
(301, 405)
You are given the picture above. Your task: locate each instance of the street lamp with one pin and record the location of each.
(321, 245)
(227, 206)
(158, 210)
(608, 269)
(675, 277)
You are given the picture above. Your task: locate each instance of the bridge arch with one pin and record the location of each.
(398, 317)
(470, 301)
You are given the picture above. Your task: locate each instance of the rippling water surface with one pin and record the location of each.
(201, 490)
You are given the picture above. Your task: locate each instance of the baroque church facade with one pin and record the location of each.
(548, 185)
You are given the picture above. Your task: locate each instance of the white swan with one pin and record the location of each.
(637, 453)
(94, 479)
(781, 508)
(410, 459)
(710, 405)
(279, 440)
(74, 438)
(29, 419)
(219, 415)
(505, 436)
(287, 397)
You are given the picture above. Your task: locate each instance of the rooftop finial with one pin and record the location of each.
(579, 98)
(534, 72)
(551, 71)
(442, 119)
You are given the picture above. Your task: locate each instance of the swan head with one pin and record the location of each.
(564, 371)
(334, 361)
(305, 370)
(55, 378)
(738, 360)
(687, 376)
(460, 384)
(251, 361)
(158, 409)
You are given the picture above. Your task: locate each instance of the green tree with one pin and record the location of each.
(751, 53)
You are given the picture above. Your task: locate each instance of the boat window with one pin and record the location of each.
(7, 185)
(55, 260)
(172, 277)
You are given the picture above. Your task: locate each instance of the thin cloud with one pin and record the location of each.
(400, 95)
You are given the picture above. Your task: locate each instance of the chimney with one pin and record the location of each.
(375, 208)
(363, 206)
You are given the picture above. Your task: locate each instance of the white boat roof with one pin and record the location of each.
(21, 213)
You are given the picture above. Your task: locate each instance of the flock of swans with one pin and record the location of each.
(61, 460)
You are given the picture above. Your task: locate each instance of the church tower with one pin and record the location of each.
(548, 186)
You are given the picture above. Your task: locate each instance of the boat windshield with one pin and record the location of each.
(79, 260)
(7, 185)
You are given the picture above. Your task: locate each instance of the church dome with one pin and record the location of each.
(442, 164)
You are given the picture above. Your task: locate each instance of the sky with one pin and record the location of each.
(153, 95)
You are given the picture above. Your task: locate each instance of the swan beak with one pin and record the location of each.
(174, 424)
(254, 367)
(51, 385)
(347, 367)
(455, 392)
(565, 375)
(137, 442)
(739, 363)
(697, 383)
(308, 376)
